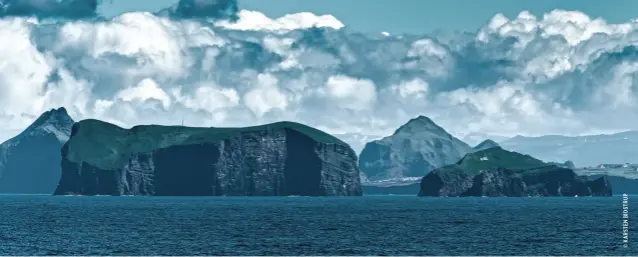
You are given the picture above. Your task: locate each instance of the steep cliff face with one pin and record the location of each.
(497, 172)
(413, 150)
(278, 159)
(30, 162)
(601, 186)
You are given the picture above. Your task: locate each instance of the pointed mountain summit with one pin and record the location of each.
(414, 149)
(420, 124)
(487, 144)
(56, 122)
(30, 162)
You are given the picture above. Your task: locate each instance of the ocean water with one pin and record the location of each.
(370, 225)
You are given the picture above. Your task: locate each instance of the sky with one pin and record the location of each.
(408, 16)
(494, 69)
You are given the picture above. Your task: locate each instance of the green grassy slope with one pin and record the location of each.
(492, 158)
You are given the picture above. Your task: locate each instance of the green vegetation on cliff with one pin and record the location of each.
(108, 146)
(473, 164)
(497, 157)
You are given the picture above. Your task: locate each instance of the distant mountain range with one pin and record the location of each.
(476, 138)
(584, 151)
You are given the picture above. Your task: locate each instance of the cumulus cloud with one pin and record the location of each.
(252, 20)
(560, 73)
(49, 8)
(351, 93)
(145, 90)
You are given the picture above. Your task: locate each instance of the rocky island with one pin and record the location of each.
(497, 172)
(278, 159)
(30, 162)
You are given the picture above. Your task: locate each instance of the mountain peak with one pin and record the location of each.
(414, 149)
(56, 121)
(486, 144)
(420, 124)
(47, 117)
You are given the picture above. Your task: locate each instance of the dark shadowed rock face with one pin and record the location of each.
(412, 151)
(497, 172)
(30, 162)
(621, 185)
(601, 186)
(278, 159)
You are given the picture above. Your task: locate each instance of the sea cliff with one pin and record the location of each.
(278, 159)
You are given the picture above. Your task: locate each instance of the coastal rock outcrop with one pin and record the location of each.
(413, 150)
(278, 159)
(30, 162)
(497, 172)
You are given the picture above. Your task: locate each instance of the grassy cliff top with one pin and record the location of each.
(107, 146)
(492, 158)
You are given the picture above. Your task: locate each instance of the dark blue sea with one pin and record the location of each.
(370, 225)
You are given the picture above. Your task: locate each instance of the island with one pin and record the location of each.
(498, 172)
(278, 159)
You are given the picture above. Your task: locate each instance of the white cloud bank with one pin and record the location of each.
(253, 20)
(563, 73)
